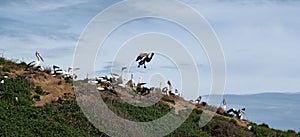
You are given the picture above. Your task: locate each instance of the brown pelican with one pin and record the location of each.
(35, 64)
(238, 113)
(143, 58)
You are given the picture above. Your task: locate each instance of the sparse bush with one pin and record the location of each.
(36, 97)
(264, 125)
(39, 90)
(22, 64)
(2, 60)
(5, 69)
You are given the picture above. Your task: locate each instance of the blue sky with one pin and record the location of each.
(260, 39)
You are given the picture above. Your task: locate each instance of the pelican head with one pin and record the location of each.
(38, 55)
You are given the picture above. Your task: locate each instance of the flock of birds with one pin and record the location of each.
(56, 70)
(107, 83)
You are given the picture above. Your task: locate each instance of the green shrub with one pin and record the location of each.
(5, 69)
(39, 90)
(36, 97)
(2, 60)
(22, 64)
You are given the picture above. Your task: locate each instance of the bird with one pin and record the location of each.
(238, 113)
(224, 104)
(140, 89)
(176, 92)
(170, 86)
(130, 83)
(121, 79)
(143, 58)
(66, 74)
(2, 81)
(198, 99)
(141, 85)
(168, 90)
(58, 71)
(35, 64)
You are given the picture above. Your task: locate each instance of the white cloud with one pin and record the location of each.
(259, 38)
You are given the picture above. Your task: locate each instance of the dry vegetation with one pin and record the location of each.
(58, 114)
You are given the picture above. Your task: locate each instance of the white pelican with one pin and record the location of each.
(130, 83)
(198, 99)
(170, 87)
(35, 64)
(143, 58)
(224, 104)
(121, 79)
(58, 71)
(176, 92)
(66, 74)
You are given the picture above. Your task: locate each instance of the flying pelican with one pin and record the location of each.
(238, 113)
(35, 64)
(143, 58)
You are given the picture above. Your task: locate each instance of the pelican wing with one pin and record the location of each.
(140, 84)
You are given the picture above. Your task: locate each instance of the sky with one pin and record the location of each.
(260, 40)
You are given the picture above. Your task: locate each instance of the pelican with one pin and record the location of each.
(142, 90)
(198, 99)
(224, 104)
(66, 74)
(121, 79)
(35, 64)
(130, 83)
(238, 113)
(170, 86)
(176, 92)
(143, 58)
(168, 90)
(58, 71)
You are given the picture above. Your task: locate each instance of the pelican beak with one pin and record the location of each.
(40, 56)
